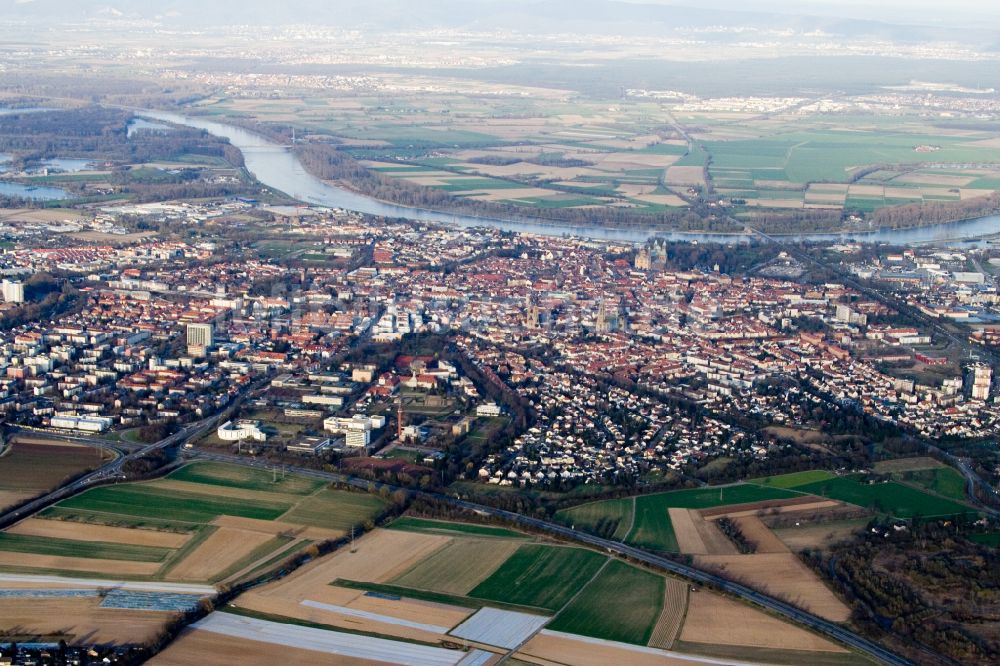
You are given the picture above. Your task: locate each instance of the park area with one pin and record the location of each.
(205, 523)
(445, 583)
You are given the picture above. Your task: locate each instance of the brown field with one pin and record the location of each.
(57, 529)
(717, 620)
(195, 647)
(758, 533)
(675, 600)
(39, 214)
(818, 536)
(663, 200)
(381, 556)
(800, 505)
(221, 550)
(277, 528)
(902, 193)
(775, 203)
(459, 566)
(867, 190)
(556, 650)
(12, 497)
(778, 185)
(696, 536)
(783, 575)
(33, 465)
(82, 619)
(104, 567)
(513, 193)
(907, 465)
(751, 508)
(685, 175)
(965, 194)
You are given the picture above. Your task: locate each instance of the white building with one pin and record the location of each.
(13, 292)
(488, 409)
(359, 422)
(85, 423)
(199, 338)
(237, 432)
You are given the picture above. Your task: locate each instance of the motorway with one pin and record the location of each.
(797, 615)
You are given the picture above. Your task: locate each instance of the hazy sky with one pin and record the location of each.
(933, 12)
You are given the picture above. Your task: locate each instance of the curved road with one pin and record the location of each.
(830, 629)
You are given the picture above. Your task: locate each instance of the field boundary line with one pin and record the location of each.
(631, 522)
(583, 587)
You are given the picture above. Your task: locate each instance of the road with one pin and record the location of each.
(818, 624)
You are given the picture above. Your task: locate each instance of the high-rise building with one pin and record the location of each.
(978, 378)
(199, 338)
(13, 292)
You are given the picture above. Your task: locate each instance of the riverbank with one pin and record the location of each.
(277, 167)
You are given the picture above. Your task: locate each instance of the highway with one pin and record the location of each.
(818, 624)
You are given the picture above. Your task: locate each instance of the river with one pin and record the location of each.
(275, 166)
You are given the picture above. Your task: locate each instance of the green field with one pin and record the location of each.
(408, 524)
(622, 603)
(335, 509)
(893, 498)
(146, 500)
(943, 481)
(17, 543)
(794, 479)
(233, 476)
(991, 539)
(611, 519)
(652, 529)
(540, 576)
(211, 490)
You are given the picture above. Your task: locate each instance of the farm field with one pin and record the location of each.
(460, 566)
(549, 150)
(415, 586)
(794, 479)
(652, 528)
(611, 519)
(540, 576)
(896, 499)
(410, 524)
(204, 522)
(622, 603)
(30, 466)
